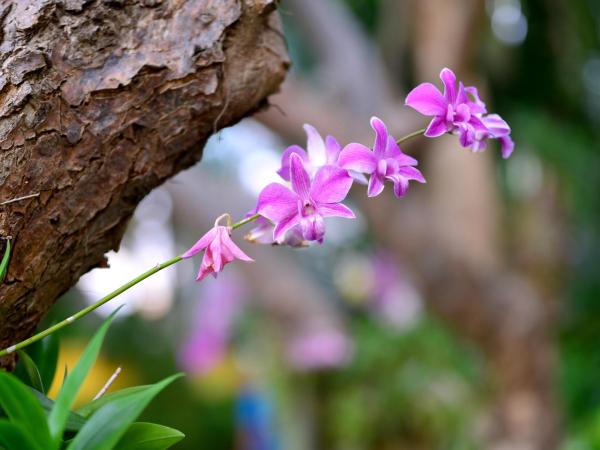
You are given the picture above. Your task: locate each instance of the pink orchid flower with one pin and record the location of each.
(318, 153)
(459, 111)
(385, 162)
(262, 233)
(219, 250)
(308, 202)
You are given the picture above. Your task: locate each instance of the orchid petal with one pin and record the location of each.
(315, 146)
(496, 125)
(202, 243)
(375, 186)
(357, 157)
(313, 228)
(285, 224)
(394, 151)
(332, 149)
(299, 177)
(235, 251)
(507, 145)
(284, 171)
(427, 99)
(461, 96)
(477, 105)
(336, 210)
(437, 127)
(412, 173)
(381, 135)
(400, 187)
(276, 202)
(449, 80)
(331, 185)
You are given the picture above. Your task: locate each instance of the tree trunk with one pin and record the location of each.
(100, 102)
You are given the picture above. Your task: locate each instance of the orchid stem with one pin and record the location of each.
(245, 221)
(411, 135)
(107, 298)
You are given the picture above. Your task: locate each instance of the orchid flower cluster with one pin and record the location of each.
(315, 181)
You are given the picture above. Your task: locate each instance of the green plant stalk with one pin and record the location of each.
(78, 315)
(411, 135)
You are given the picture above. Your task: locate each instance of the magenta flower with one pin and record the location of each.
(385, 162)
(459, 111)
(262, 233)
(308, 202)
(219, 250)
(318, 153)
(452, 111)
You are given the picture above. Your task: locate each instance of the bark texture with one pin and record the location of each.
(100, 102)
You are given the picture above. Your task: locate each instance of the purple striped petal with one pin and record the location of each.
(313, 228)
(315, 146)
(336, 210)
(287, 223)
(332, 150)
(449, 80)
(507, 145)
(284, 171)
(496, 125)
(375, 186)
(276, 202)
(381, 135)
(299, 177)
(427, 99)
(357, 157)
(437, 127)
(331, 185)
(412, 173)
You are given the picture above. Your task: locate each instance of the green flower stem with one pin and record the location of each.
(109, 297)
(243, 222)
(410, 136)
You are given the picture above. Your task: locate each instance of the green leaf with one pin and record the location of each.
(45, 355)
(14, 437)
(95, 405)
(74, 420)
(107, 425)
(5, 259)
(22, 409)
(69, 390)
(149, 436)
(31, 372)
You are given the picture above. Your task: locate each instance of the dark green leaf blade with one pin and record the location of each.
(107, 425)
(45, 355)
(31, 371)
(149, 436)
(70, 388)
(13, 437)
(74, 420)
(23, 410)
(5, 260)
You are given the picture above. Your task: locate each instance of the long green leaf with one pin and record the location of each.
(107, 425)
(149, 436)
(14, 437)
(5, 259)
(45, 355)
(23, 410)
(70, 388)
(31, 371)
(95, 405)
(74, 420)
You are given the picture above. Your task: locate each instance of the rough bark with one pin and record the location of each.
(101, 101)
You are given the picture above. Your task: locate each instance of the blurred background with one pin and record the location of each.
(464, 316)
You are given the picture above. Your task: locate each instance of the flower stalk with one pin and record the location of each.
(85, 311)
